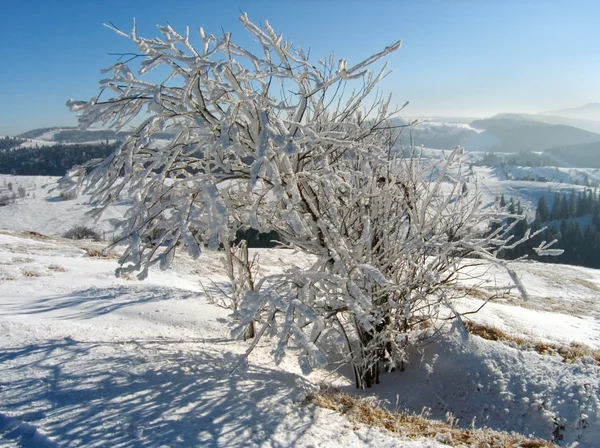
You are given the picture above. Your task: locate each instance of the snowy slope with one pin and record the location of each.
(43, 211)
(71, 136)
(87, 359)
(495, 181)
(37, 142)
(91, 360)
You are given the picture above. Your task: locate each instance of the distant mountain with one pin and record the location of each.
(586, 125)
(36, 133)
(76, 135)
(590, 111)
(517, 133)
(434, 132)
(584, 155)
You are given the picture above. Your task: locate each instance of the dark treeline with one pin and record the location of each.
(576, 156)
(10, 142)
(522, 158)
(254, 238)
(50, 160)
(573, 219)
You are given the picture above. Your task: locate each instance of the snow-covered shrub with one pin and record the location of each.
(271, 141)
(68, 195)
(82, 233)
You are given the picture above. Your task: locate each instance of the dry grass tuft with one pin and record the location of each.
(94, 253)
(364, 411)
(588, 284)
(6, 277)
(569, 353)
(35, 235)
(478, 293)
(575, 351)
(127, 277)
(21, 260)
(55, 268)
(32, 274)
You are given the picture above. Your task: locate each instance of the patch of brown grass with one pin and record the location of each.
(35, 235)
(127, 277)
(588, 284)
(569, 353)
(363, 411)
(21, 260)
(6, 277)
(575, 351)
(55, 268)
(32, 274)
(478, 293)
(95, 253)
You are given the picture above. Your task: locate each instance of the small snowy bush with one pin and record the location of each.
(4, 200)
(68, 195)
(82, 233)
(269, 140)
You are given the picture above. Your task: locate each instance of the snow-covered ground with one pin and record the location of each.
(43, 211)
(37, 142)
(494, 181)
(88, 359)
(52, 137)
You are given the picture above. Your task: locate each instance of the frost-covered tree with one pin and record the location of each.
(271, 140)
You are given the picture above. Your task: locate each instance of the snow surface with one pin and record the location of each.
(32, 143)
(88, 359)
(48, 138)
(43, 211)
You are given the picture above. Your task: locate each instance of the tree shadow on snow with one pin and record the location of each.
(93, 302)
(145, 393)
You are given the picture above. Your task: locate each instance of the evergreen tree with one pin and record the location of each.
(542, 213)
(581, 204)
(555, 214)
(511, 207)
(563, 207)
(572, 207)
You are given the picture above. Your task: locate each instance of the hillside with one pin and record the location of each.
(517, 134)
(52, 159)
(579, 155)
(586, 125)
(503, 133)
(94, 360)
(590, 111)
(434, 134)
(53, 151)
(76, 135)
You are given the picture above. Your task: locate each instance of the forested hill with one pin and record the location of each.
(50, 160)
(76, 135)
(520, 134)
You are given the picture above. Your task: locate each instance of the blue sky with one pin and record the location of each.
(459, 57)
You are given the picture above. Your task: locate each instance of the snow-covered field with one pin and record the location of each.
(91, 360)
(52, 137)
(43, 211)
(88, 359)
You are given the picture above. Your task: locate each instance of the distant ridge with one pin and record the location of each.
(586, 125)
(66, 134)
(590, 111)
(517, 133)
